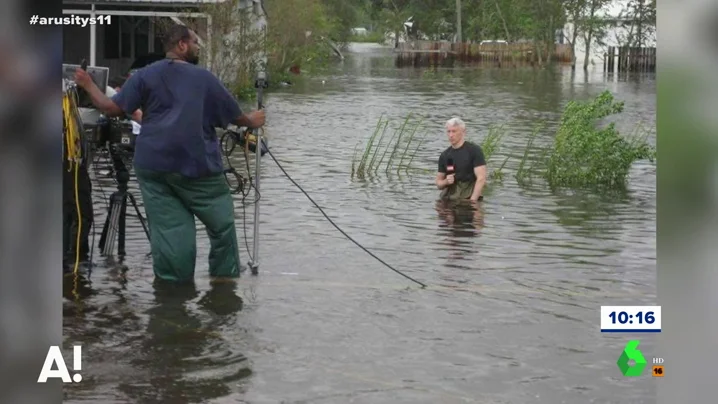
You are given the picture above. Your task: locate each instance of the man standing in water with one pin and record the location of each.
(462, 167)
(177, 158)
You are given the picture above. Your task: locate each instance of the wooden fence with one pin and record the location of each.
(630, 59)
(432, 53)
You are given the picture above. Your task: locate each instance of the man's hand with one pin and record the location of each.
(254, 119)
(257, 118)
(450, 179)
(83, 79)
(97, 95)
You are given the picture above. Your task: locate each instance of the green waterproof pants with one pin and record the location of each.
(171, 203)
(458, 191)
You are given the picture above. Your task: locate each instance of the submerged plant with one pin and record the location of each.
(395, 154)
(492, 141)
(525, 172)
(490, 145)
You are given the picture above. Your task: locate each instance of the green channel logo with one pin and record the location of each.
(631, 352)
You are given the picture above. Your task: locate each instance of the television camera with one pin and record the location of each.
(113, 136)
(100, 130)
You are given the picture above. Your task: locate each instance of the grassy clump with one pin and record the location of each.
(585, 156)
(490, 145)
(397, 153)
(528, 165)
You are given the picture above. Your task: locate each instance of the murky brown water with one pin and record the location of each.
(512, 311)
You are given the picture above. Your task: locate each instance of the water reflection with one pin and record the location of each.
(177, 343)
(588, 215)
(76, 288)
(461, 219)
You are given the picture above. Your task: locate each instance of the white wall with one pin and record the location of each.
(597, 51)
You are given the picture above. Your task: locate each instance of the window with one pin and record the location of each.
(142, 36)
(128, 38)
(127, 29)
(159, 47)
(111, 41)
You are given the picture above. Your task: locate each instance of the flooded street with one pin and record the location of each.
(511, 314)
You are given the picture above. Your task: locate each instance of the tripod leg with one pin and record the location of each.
(121, 229)
(112, 224)
(139, 215)
(105, 229)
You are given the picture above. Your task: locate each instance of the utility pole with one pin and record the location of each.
(458, 21)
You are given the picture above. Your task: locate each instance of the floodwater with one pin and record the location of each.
(511, 314)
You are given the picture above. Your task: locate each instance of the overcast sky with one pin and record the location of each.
(616, 6)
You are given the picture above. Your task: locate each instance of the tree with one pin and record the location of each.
(343, 16)
(639, 18)
(296, 31)
(537, 21)
(574, 11)
(593, 25)
(392, 16)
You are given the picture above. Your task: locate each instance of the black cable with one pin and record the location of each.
(92, 244)
(332, 222)
(244, 205)
(244, 227)
(229, 141)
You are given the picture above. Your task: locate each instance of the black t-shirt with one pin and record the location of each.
(464, 159)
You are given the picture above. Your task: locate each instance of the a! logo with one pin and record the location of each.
(631, 352)
(54, 356)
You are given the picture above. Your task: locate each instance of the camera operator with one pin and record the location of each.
(177, 157)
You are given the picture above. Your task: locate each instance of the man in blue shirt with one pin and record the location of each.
(177, 157)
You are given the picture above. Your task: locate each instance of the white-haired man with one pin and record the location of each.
(462, 166)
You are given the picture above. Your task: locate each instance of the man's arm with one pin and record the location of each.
(102, 101)
(247, 120)
(479, 163)
(440, 181)
(129, 99)
(227, 108)
(137, 116)
(480, 173)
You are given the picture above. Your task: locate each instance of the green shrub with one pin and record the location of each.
(585, 156)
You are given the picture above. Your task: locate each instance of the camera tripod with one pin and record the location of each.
(117, 212)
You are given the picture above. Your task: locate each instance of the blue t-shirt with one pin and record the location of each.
(181, 104)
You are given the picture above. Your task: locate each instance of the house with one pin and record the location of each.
(134, 29)
(617, 30)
